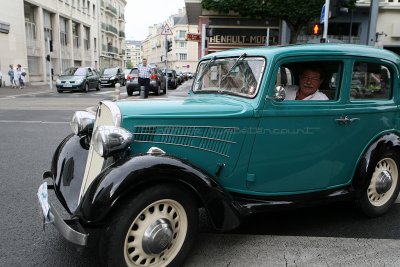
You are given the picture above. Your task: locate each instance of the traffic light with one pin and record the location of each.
(169, 46)
(316, 29)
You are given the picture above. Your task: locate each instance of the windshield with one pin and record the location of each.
(110, 72)
(75, 72)
(238, 76)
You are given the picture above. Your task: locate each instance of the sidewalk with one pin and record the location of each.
(31, 88)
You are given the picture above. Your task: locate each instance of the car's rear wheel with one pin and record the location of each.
(156, 228)
(384, 185)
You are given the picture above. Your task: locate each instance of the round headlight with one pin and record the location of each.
(108, 140)
(112, 78)
(82, 122)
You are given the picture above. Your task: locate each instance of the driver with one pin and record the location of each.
(310, 80)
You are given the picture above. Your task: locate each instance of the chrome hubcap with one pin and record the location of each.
(383, 182)
(157, 237)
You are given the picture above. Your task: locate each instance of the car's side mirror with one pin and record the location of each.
(279, 93)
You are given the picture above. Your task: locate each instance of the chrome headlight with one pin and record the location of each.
(82, 122)
(108, 140)
(112, 78)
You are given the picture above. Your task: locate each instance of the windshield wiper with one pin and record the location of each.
(233, 66)
(205, 68)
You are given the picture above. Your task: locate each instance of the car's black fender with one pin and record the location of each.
(385, 142)
(123, 179)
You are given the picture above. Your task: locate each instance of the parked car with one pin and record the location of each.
(126, 73)
(172, 79)
(111, 76)
(157, 82)
(180, 77)
(132, 81)
(140, 170)
(78, 78)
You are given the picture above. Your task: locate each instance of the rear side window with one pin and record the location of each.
(371, 81)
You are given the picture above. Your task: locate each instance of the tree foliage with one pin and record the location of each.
(296, 13)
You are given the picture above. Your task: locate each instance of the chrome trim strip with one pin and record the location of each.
(183, 146)
(185, 126)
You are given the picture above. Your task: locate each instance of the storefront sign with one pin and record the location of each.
(238, 40)
(193, 37)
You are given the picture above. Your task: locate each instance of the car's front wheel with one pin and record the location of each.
(384, 185)
(129, 91)
(158, 90)
(86, 88)
(156, 228)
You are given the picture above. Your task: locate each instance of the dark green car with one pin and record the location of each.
(78, 79)
(263, 128)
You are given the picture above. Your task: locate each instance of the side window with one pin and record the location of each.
(310, 80)
(370, 81)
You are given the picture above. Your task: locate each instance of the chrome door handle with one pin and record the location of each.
(345, 120)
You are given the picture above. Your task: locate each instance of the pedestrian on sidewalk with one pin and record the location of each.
(11, 76)
(19, 75)
(144, 76)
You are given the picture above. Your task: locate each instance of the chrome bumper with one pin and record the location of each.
(71, 230)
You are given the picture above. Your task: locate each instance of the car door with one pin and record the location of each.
(303, 146)
(91, 78)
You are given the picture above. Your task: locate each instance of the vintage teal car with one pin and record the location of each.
(237, 145)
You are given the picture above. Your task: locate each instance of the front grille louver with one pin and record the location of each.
(210, 138)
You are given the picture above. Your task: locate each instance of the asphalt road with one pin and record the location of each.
(31, 126)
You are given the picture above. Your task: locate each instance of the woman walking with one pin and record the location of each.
(11, 76)
(19, 75)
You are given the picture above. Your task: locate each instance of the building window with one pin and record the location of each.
(30, 29)
(95, 44)
(63, 32)
(48, 31)
(75, 34)
(182, 44)
(181, 34)
(86, 38)
(182, 56)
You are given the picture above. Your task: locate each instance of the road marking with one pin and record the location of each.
(44, 122)
(28, 94)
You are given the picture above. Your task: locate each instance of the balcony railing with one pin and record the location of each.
(109, 49)
(112, 29)
(111, 9)
(121, 17)
(121, 34)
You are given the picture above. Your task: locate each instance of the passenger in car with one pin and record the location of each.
(310, 80)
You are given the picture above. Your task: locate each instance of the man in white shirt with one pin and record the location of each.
(144, 76)
(310, 80)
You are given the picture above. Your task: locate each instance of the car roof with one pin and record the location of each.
(306, 49)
